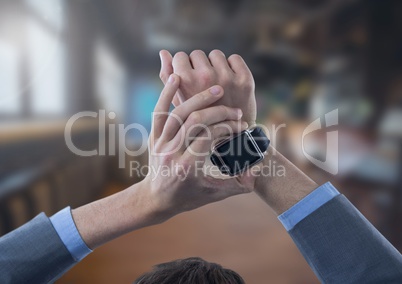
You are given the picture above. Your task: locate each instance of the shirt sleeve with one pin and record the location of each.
(307, 205)
(64, 225)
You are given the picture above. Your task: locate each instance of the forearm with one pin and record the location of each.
(281, 192)
(109, 218)
(327, 228)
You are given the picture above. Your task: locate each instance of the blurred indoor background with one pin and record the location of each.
(308, 57)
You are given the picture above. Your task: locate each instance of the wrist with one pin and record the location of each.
(285, 185)
(157, 211)
(111, 217)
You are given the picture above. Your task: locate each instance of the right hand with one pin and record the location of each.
(199, 72)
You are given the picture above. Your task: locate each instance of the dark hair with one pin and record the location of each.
(192, 270)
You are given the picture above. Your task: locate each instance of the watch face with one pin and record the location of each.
(238, 153)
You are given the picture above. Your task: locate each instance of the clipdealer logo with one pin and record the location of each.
(330, 164)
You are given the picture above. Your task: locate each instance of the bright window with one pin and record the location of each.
(51, 11)
(10, 94)
(46, 71)
(111, 80)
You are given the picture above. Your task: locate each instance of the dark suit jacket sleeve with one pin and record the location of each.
(33, 253)
(341, 246)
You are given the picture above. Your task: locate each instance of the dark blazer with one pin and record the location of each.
(340, 245)
(33, 253)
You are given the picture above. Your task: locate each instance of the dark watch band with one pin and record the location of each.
(260, 138)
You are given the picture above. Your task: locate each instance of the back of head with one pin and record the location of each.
(192, 270)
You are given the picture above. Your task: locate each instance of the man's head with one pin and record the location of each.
(192, 270)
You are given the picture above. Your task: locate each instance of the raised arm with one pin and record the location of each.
(44, 249)
(337, 241)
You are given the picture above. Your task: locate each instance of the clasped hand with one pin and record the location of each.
(181, 140)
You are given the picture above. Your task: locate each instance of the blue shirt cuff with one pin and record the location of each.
(64, 225)
(307, 205)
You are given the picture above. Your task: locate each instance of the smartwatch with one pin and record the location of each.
(236, 154)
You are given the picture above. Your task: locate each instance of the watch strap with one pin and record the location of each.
(260, 138)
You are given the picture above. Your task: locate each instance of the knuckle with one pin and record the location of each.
(180, 54)
(175, 117)
(166, 159)
(174, 114)
(163, 76)
(207, 132)
(197, 52)
(224, 111)
(206, 76)
(248, 86)
(225, 78)
(185, 166)
(246, 82)
(194, 118)
(216, 52)
(215, 131)
(185, 77)
(235, 57)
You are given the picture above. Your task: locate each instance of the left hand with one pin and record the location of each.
(184, 186)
